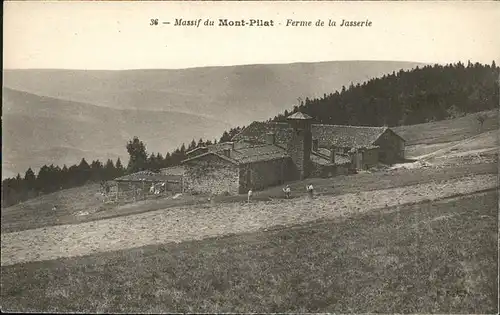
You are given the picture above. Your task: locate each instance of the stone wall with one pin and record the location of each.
(322, 171)
(391, 147)
(299, 148)
(211, 175)
(342, 169)
(364, 158)
(370, 158)
(261, 175)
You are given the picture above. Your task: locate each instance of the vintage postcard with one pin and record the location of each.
(250, 157)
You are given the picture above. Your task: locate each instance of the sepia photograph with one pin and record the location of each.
(250, 157)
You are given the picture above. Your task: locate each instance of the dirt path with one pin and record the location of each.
(202, 221)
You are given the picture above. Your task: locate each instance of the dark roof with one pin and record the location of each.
(258, 154)
(174, 170)
(299, 116)
(249, 154)
(146, 176)
(220, 155)
(256, 131)
(203, 148)
(319, 159)
(347, 136)
(219, 147)
(328, 135)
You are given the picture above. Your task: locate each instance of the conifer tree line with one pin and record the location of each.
(420, 95)
(415, 96)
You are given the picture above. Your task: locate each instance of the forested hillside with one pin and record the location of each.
(409, 97)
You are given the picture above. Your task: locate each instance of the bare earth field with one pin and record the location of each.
(201, 221)
(431, 257)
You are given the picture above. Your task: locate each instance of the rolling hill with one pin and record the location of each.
(60, 116)
(40, 130)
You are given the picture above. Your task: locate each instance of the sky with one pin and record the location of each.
(117, 35)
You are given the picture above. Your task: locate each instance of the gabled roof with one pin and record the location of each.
(299, 116)
(347, 136)
(251, 154)
(258, 154)
(219, 155)
(147, 176)
(256, 131)
(173, 170)
(320, 159)
(219, 147)
(328, 135)
(202, 148)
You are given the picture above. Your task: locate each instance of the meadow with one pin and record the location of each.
(429, 257)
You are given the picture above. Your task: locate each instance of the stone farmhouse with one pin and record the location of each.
(270, 153)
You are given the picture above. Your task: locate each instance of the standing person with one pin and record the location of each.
(287, 191)
(250, 193)
(310, 190)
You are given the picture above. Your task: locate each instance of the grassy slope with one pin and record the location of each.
(447, 130)
(423, 258)
(37, 212)
(439, 136)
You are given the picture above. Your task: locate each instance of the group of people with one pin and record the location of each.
(287, 191)
(157, 188)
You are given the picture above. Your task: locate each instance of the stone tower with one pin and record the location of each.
(300, 143)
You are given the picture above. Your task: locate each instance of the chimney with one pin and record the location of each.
(300, 143)
(315, 145)
(270, 138)
(332, 154)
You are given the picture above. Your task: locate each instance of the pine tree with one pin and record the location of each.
(96, 171)
(225, 137)
(137, 155)
(43, 179)
(168, 160)
(83, 175)
(159, 161)
(119, 170)
(200, 143)
(30, 180)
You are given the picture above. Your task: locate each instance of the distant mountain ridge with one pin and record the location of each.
(61, 114)
(40, 130)
(234, 94)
